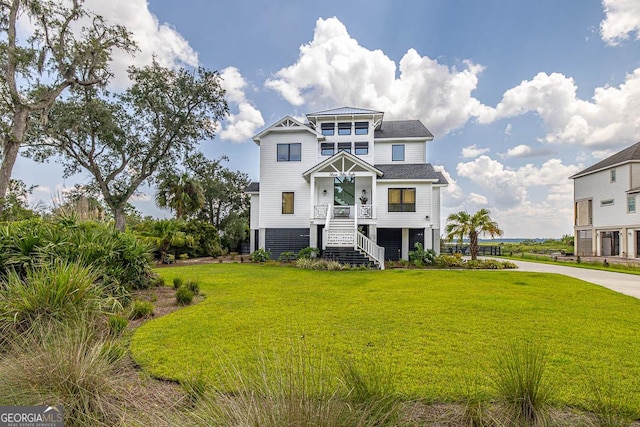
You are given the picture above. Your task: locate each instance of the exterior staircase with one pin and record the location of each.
(348, 256)
(341, 244)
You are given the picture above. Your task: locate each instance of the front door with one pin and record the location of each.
(344, 191)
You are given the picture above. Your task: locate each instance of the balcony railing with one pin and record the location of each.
(364, 211)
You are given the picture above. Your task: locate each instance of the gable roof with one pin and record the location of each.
(344, 111)
(402, 129)
(411, 171)
(627, 155)
(341, 156)
(286, 124)
(253, 187)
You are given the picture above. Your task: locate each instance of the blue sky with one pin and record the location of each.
(520, 95)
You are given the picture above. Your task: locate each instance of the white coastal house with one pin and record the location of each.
(606, 216)
(348, 182)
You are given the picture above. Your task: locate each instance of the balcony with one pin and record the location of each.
(364, 211)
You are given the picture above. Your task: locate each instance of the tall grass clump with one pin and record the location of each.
(298, 390)
(49, 295)
(69, 366)
(519, 380)
(611, 402)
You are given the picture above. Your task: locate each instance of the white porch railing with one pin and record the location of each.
(364, 211)
(368, 246)
(320, 211)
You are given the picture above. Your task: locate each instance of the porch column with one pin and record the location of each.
(374, 196)
(404, 253)
(312, 197)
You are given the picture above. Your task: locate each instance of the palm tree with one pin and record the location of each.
(463, 224)
(181, 194)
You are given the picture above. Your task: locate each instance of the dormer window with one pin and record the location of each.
(397, 153)
(328, 129)
(362, 128)
(344, 128)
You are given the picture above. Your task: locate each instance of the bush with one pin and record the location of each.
(193, 286)
(184, 296)
(287, 256)
(141, 310)
(420, 256)
(183, 257)
(448, 261)
(177, 282)
(260, 255)
(117, 324)
(309, 253)
(49, 295)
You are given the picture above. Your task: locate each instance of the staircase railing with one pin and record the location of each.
(369, 247)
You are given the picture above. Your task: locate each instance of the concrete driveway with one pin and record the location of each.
(628, 284)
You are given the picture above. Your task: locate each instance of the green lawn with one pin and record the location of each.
(438, 330)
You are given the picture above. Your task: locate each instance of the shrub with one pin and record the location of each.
(331, 265)
(177, 282)
(158, 282)
(51, 294)
(193, 286)
(183, 257)
(287, 256)
(309, 252)
(420, 256)
(141, 310)
(519, 381)
(260, 255)
(448, 261)
(306, 263)
(117, 324)
(184, 296)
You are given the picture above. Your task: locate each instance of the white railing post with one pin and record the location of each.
(355, 226)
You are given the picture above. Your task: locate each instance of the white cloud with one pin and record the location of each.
(334, 70)
(622, 18)
(521, 150)
(508, 129)
(243, 125)
(603, 154)
(611, 117)
(152, 37)
(473, 151)
(492, 175)
(477, 199)
(452, 195)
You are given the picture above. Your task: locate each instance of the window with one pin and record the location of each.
(608, 202)
(613, 175)
(344, 128)
(397, 153)
(344, 146)
(631, 203)
(402, 200)
(362, 128)
(287, 202)
(289, 152)
(328, 129)
(327, 148)
(362, 148)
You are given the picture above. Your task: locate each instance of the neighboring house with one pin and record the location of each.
(605, 196)
(345, 181)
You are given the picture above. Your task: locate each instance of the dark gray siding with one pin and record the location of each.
(278, 240)
(391, 240)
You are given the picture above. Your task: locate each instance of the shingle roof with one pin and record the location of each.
(344, 110)
(402, 129)
(627, 155)
(253, 187)
(411, 171)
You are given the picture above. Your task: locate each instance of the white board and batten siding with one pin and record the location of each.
(278, 177)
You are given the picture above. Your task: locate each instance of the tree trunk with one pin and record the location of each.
(118, 212)
(11, 146)
(473, 247)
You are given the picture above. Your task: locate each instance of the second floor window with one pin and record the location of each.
(397, 153)
(344, 128)
(344, 146)
(289, 152)
(327, 148)
(402, 200)
(287, 202)
(613, 175)
(631, 203)
(362, 148)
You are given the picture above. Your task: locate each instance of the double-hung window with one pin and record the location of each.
(397, 153)
(362, 128)
(328, 129)
(327, 148)
(402, 200)
(289, 152)
(362, 148)
(344, 146)
(344, 128)
(631, 203)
